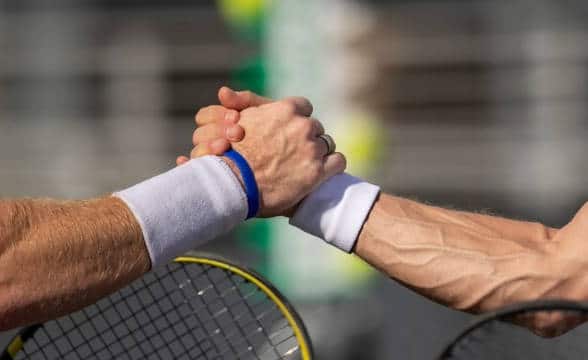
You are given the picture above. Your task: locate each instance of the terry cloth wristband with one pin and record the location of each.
(186, 207)
(249, 180)
(337, 210)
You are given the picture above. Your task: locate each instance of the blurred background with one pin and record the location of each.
(477, 105)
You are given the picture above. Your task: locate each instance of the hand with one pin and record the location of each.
(550, 324)
(565, 266)
(281, 146)
(218, 125)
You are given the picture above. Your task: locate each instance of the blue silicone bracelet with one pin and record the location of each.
(249, 180)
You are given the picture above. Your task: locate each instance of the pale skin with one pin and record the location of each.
(59, 256)
(468, 261)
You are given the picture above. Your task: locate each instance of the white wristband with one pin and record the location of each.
(337, 210)
(186, 206)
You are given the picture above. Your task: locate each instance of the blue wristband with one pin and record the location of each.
(249, 180)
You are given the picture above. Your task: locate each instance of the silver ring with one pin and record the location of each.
(331, 146)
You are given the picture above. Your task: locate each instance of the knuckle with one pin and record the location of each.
(247, 96)
(201, 115)
(288, 106)
(318, 126)
(210, 114)
(307, 103)
(306, 127)
(218, 147)
(207, 132)
(198, 115)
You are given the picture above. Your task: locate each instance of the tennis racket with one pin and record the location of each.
(494, 336)
(199, 307)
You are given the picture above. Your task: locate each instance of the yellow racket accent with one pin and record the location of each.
(110, 326)
(304, 347)
(15, 346)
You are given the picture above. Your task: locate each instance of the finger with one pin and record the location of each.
(240, 100)
(325, 144)
(181, 160)
(202, 149)
(334, 164)
(234, 133)
(303, 105)
(207, 133)
(322, 147)
(215, 147)
(216, 114)
(211, 132)
(219, 146)
(318, 127)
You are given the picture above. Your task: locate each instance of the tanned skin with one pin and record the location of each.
(474, 262)
(59, 256)
(467, 261)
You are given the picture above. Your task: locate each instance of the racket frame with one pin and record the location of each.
(510, 311)
(286, 309)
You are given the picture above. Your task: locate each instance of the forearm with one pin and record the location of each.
(58, 256)
(468, 261)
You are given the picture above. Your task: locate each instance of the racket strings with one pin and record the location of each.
(179, 312)
(77, 320)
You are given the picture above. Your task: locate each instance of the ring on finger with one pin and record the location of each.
(331, 146)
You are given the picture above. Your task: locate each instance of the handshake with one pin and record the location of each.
(281, 163)
(280, 156)
(287, 166)
(287, 149)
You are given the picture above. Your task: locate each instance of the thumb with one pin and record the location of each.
(240, 100)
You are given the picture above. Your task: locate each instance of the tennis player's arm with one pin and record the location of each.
(468, 261)
(58, 256)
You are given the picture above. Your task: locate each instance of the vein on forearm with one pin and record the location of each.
(468, 261)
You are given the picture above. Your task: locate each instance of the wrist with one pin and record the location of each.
(235, 170)
(337, 210)
(249, 182)
(186, 206)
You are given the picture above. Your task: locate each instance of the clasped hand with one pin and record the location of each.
(280, 141)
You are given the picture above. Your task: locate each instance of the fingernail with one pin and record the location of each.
(233, 133)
